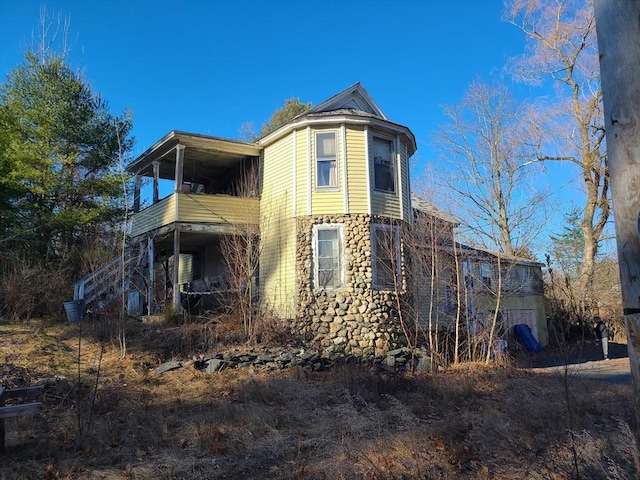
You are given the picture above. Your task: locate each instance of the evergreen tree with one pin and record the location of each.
(61, 154)
(568, 246)
(292, 108)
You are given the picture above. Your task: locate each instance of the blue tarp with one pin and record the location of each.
(523, 331)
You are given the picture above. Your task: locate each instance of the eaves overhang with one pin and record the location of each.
(224, 149)
(481, 253)
(328, 119)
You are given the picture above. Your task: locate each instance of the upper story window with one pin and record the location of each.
(327, 256)
(485, 274)
(385, 240)
(383, 165)
(519, 278)
(326, 160)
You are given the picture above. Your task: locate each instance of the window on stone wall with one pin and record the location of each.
(385, 241)
(327, 256)
(384, 172)
(326, 160)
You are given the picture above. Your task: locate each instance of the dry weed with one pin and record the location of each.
(471, 421)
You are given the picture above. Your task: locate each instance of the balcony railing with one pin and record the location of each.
(198, 209)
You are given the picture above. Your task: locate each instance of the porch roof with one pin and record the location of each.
(208, 155)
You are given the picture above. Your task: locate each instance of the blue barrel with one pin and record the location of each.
(74, 310)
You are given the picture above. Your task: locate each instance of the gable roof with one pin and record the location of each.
(483, 253)
(354, 98)
(352, 105)
(425, 206)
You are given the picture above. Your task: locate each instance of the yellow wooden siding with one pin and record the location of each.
(185, 270)
(487, 303)
(301, 172)
(277, 229)
(385, 204)
(357, 170)
(423, 293)
(158, 215)
(277, 267)
(218, 209)
(192, 208)
(326, 201)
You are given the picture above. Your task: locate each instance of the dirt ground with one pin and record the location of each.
(109, 417)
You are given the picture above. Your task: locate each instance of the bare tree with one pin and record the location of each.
(490, 186)
(433, 282)
(241, 252)
(561, 47)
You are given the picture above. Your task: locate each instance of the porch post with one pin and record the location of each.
(179, 165)
(151, 267)
(156, 181)
(136, 194)
(177, 307)
(165, 295)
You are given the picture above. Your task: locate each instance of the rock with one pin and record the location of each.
(305, 355)
(264, 358)
(397, 351)
(168, 366)
(424, 364)
(215, 365)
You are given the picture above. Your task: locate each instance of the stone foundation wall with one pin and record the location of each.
(355, 319)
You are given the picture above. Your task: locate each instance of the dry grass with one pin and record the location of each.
(472, 422)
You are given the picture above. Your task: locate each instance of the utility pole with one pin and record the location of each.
(618, 30)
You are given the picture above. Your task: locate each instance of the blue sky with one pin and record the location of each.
(210, 66)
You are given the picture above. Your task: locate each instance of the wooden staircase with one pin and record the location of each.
(109, 280)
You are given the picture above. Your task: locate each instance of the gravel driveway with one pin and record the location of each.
(584, 360)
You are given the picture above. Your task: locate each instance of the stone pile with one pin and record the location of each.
(398, 360)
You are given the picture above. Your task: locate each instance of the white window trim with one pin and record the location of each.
(345, 186)
(294, 180)
(328, 226)
(326, 188)
(368, 170)
(374, 256)
(394, 165)
(398, 160)
(309, 168)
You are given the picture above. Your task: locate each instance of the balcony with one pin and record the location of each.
(208, 213)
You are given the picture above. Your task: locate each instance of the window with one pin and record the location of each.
(383, 165)
(327, 256)
(326, 160)
(520, 278)
(386, 257)
(485, 274)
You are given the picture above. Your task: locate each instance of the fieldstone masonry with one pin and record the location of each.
(356, 319)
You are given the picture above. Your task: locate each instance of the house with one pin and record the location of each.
(455, 281)
(328, 197)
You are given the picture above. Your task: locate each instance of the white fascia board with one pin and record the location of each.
(347, 119)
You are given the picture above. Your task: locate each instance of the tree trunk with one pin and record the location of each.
(619, 43)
